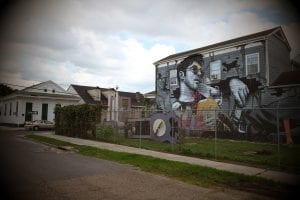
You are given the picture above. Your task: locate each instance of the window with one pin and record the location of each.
(173, 77)
(252, 63)
(125, 104)
(215, 70)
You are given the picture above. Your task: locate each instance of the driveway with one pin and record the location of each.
(31, 170)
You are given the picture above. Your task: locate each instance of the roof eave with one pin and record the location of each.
(285, 39)
(202, 50)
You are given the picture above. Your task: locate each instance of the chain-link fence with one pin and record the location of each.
(262, 137)
(263, 125)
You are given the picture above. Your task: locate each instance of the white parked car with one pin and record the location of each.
(38, 125)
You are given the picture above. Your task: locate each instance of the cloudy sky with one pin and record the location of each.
(115, 42)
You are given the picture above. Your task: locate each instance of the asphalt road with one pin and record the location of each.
(30, 170)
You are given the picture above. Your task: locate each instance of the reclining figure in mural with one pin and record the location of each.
(194, 94)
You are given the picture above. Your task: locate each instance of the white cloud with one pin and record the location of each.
(111, 61)
(79, 42)
(15, 80)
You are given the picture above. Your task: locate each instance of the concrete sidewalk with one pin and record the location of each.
(253, 171)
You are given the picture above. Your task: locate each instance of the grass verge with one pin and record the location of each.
(283, 157)
(194, 174)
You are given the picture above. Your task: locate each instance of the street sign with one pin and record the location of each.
(33, 112)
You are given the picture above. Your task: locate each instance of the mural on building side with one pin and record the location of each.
(188, 88)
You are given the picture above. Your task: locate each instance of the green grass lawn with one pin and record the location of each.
(194, 174)
(250, 153)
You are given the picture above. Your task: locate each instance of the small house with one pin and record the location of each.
(34, 103)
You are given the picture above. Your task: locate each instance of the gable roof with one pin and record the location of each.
(39, 85)
(236, 41)
(82, 91)
(42, 90)
(150, 95)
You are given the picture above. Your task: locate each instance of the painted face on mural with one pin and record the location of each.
(192, 75)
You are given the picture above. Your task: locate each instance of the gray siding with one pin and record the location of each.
(279, 57)
(235, 58)
(239, 71)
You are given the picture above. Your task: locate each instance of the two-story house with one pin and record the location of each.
(238, 74)
(117, 104)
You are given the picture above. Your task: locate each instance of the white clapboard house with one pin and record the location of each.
(34, 103)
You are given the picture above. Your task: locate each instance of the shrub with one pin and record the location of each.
(77, 120)
(105, 133)
(109, 133)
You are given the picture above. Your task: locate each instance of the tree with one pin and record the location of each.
(5, 90)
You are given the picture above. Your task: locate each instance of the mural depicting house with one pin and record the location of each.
(118, 104)
(42, 98)
(241, 77)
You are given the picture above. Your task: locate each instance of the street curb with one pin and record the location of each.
(292, 179)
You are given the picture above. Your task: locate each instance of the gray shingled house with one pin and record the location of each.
(248, 78)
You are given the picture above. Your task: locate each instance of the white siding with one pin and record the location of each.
(36, 106)
(37, 102)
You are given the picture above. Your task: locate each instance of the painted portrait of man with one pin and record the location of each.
(193, 93)
(195, 99)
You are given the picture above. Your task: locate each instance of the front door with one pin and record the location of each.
(28, 109)
(45, 111)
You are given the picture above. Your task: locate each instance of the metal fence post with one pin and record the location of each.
(278, 136)
(140, 133)
(215, 133)
(172, 131)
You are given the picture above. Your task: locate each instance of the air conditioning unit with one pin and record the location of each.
(214, 76)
